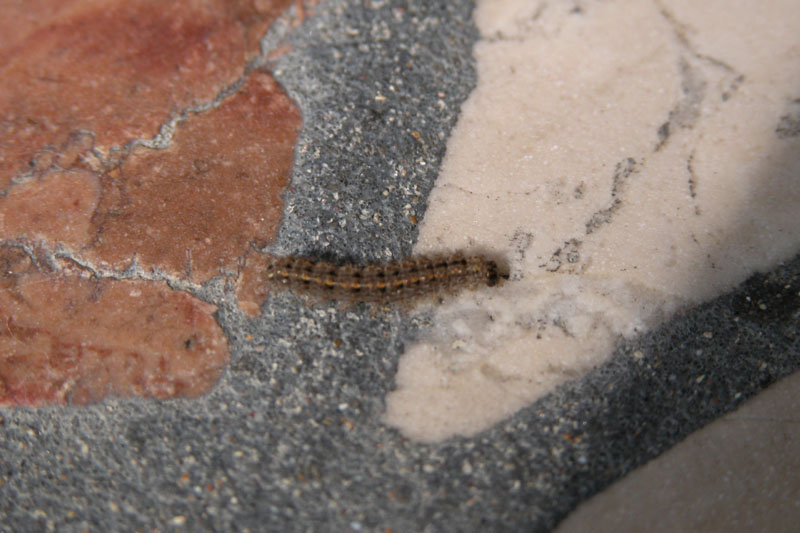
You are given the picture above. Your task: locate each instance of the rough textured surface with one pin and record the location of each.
(626, 166)
(114, 69)
(102, 199)
(291, 439)
(56, 207)
(738, 473)
(67, 339)
(197, 207)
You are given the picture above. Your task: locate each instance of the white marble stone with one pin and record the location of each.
(626, 159)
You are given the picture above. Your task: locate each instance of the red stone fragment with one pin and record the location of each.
(64, 339)
(115, 69)
(252, 288)
(196, 208)
(78, 80)
(56, 207)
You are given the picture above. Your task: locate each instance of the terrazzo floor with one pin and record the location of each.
(638, 173)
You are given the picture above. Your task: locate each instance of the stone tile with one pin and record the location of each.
(70, 339)
(629, 160)
(115, 69)
(78, 82)
(56, 207)
(251, 289)
(195, 208)
(741, 473)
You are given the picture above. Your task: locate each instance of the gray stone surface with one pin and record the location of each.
(291, 439)
(739, 473)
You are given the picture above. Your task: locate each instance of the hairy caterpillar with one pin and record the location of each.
(406, 279)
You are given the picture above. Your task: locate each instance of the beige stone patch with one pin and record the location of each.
(623, 156)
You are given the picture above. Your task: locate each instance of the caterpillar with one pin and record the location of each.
(403, 280)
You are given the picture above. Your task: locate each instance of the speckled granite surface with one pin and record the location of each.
(291, 438)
